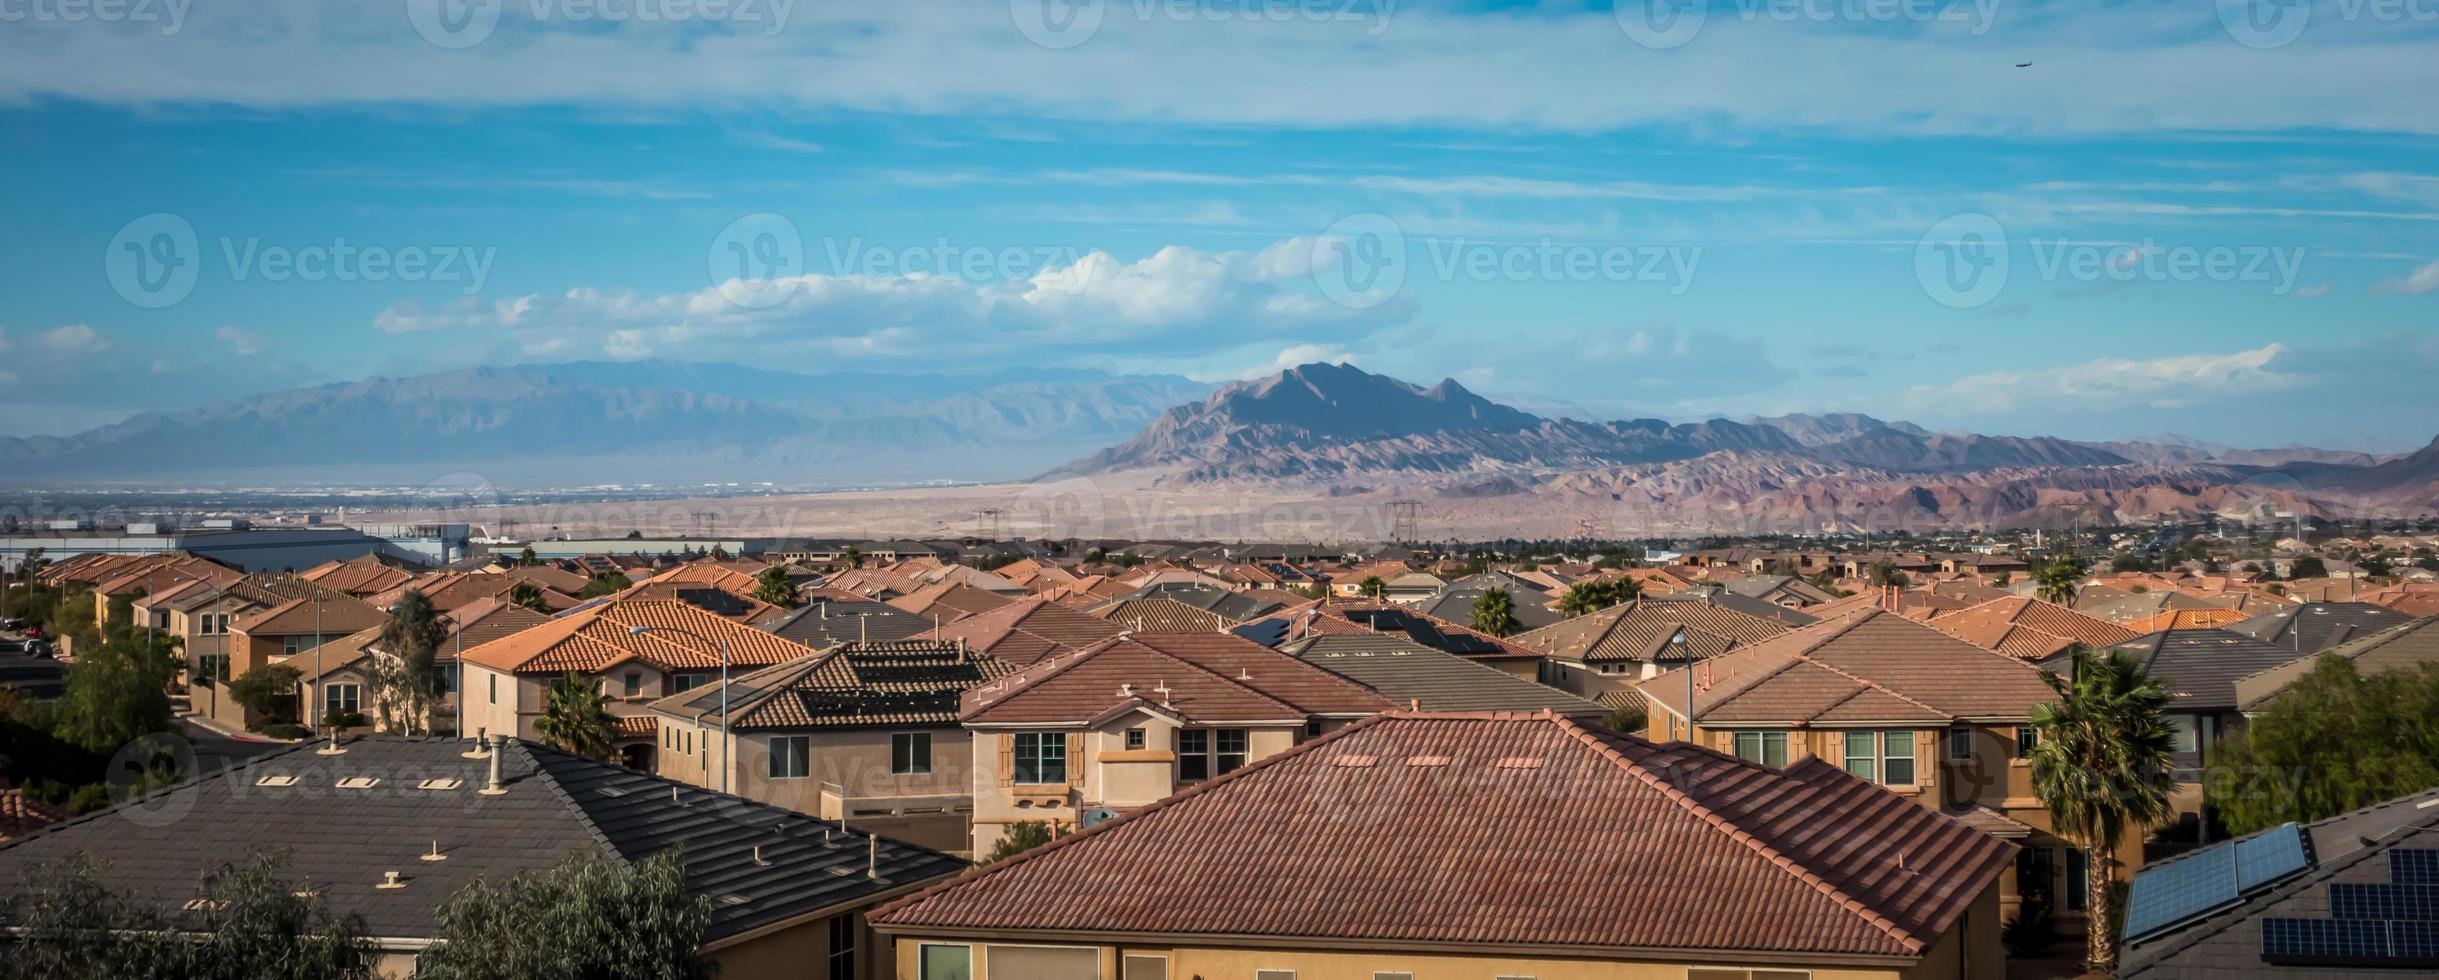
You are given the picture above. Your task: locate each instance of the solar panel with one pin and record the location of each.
(2414, 942)
(2271, 855)
(2323, 941)
(2418, 903)
(2409, 866)
(2172, 893)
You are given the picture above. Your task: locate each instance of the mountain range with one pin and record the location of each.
(617, 422)
(1341, 431)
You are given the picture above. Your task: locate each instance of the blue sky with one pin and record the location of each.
(2167, 224)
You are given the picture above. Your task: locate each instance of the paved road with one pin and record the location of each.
(36, 676)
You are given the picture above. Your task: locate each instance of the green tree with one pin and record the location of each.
(2308, 568)
(1019, 837)
(853, 556)
(1627, 719)
(2334, 741)
(1495, 613)
(528, 595)
(2101, 768)
(253, 921)
(1372, 588)
(527, 556)
(412, 636)
(268, 691)
(2058, 580)
(118, 688)
(772, 586)
(1594, 595)
(604, 583)
(1882, 573)
(585, 918)
(576, 717)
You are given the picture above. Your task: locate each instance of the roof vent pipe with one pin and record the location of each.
(493, 786)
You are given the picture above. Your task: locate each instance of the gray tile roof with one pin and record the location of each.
(2201, 667)
(1406, 671)
(342, 841)
(823, 624)
(2317, 626)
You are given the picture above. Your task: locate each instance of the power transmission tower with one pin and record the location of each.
(1401, 520)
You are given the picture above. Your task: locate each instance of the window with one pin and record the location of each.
(1274, 975)
(2078, 886)
(687, 682)
(1193, 755)
(1399, 975)
(910, 753)
(1312, 728)
(2027, 737)
(1863, 755)
(1231, 750)
(1960, 744)
(293, 645)
(1141, 966)
(1897, 763)
(1762, 748)
(1134, 739)
(842, 947)
(343, 699)
(1041, 758)
(2185, 733)
(789, 756)
(495, 688)
(946, 962)
(634, 683)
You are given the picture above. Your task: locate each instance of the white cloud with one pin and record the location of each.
(2125, 69)
(2165, 382)
(242, 343)
(1177, 301)
(2420, 281)
(75, 338)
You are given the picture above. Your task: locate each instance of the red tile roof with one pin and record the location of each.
(1279, 675)
(595, 639)
(1070, 688)
(1498, 829)
(2029, 629)
(1026, 630)
(1157, 615)
(1869, 667)
(1640, 629)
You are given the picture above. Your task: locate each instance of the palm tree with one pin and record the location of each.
(853, 556)
(528, 595)
(577, 717)
(773, 587)
(1372, 587)
(2059, 578)
(1495, 613)
(2101, 768)
(1584, 598)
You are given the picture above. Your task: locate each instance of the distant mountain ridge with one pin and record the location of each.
(1340, 430)
(627, 422)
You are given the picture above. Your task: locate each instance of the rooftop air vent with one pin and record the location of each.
(276, 780)
(359, 782)
(440, 784)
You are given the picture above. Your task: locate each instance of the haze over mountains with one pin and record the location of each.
(1342, 431)
(1315, 431)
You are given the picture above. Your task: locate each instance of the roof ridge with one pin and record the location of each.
(1876, 686)
(1905, 938)
(1052, 665)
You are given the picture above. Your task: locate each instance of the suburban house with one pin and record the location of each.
(1929, 717)
(369, 575)
(2030, 629)
(949, 600)
(2342, 897)
(342, 683)
(1482, 845)
(1604, 655)
(1418, 676)
(1319, 618)
(1778, 590)
(826, 622)
(287, 633)
(2407, 647)
(1027, 630)
(866, 733)
(388, 829)
(1082, 735)
(1531, 602)
(2200, 668)
(638, 650)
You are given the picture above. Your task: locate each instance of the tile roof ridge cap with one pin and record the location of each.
(1906, 939)
(1131, 817)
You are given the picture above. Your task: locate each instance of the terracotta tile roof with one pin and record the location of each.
(2184, 619)
(1349, 838)
(21, 814)
(1024, 631)
(1116, 673)
(2029, 629)
(594, 639)
(1644, 629)
(949, 601)
(646, 728)
(550, 577)
(165, 575)
(1307, 687)
(710, 598)
(483, 621)
(357, 576)
(1881, 661)
(334, 616)
(1161, 616)
(872, 583)
(906, 682)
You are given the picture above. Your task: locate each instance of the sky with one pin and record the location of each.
(2219, 222)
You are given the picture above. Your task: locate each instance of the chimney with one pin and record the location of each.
(493, 786)
(872, 859)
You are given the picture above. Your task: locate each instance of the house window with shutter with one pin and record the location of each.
(1040, 758)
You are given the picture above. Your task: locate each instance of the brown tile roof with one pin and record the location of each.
(905, 682)
(1310, 688)
(1644, 629)
(1879, 661)
(1078, 687)
(550, 577)
(595, 639)
(2185, 619)
(949, 601)
(21, 814)
(1026, 630)
(356, 576)
(1357, 837)
(333, 616)
(1157, 615)
(164, 575)
(485, 620)
(2029, 629)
